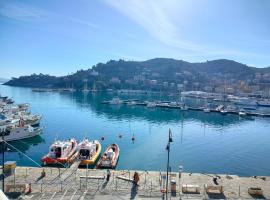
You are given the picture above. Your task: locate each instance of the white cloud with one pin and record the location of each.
(20, 11)
(164, 20)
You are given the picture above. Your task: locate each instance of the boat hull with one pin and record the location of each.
(102, 165)
(94, 158)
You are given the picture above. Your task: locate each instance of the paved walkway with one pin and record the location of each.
(81, 184)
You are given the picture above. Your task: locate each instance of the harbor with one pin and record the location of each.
(141, 132)
(73, 183)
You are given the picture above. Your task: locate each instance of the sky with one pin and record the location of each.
(61, 37)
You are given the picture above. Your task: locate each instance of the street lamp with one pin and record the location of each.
(168, 160)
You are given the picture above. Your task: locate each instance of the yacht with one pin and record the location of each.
(245, 101)
(264, 103)
(12, 133)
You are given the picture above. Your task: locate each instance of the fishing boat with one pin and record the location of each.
(61, 152)
(89, 151)
(12, 132)
(109, 158)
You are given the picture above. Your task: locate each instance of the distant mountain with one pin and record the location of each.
(154, 74)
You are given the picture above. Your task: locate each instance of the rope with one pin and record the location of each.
(23, 153)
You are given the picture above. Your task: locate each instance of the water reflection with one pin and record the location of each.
(152, 115)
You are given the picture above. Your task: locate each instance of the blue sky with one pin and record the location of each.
(60, 37)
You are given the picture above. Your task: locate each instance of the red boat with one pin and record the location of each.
(61, 152)
(109, 158)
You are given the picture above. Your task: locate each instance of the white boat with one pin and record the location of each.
(151, 105)
(184, 107)
(245, 101)
(12, 133)
(223, 112)
(33, 120)
(264, 103)
(115, 101)
(242, 113)
(61, 152)
(131, 103)
(89, 151)
(206, 110)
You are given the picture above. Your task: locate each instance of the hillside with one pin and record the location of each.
(154, 74)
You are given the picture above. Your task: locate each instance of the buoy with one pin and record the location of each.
(102, 138)
(120, 136)
(133, 138)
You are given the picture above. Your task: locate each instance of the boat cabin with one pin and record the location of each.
(87, 150)
(61, 149)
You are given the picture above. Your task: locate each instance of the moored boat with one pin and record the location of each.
(13, 132)
(89, 152)
(109, 158)
(61, 152)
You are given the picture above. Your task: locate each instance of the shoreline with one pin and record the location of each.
(73, 181)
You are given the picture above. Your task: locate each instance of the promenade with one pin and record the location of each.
(74, 183)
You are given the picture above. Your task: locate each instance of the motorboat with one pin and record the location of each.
(206, 110)
(89, 152)
(151, 105)
(242, 113)
(109, 158)
(115, 101)
(33, 120)
(223, 112)
(61, 152)
(13, 132)
(264, 103)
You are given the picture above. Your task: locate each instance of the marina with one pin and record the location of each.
(141, 132)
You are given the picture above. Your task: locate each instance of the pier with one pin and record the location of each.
(192, 108)
(75, 183)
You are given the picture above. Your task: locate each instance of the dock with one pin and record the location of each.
(76, 183)
(200, 109)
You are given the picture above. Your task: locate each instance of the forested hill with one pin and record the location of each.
(157, 73)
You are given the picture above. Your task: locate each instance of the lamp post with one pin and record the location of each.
(168, 161)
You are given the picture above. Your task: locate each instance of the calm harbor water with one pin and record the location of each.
(202, 142)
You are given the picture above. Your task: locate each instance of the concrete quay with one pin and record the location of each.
(75, 183)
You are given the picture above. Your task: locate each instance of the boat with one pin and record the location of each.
(151, 105)
(12, 132)
(206, 110)
(242, 113)
(33, 120)
(61, 152)
(115, 101)
(131, 103)
(109, 158)
(245, 101)
(223, 112)
(264, 103)
(89, 151)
